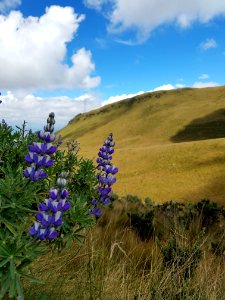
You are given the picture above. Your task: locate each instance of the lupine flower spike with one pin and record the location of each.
(50, 212)
(105, 176)
(39, 153)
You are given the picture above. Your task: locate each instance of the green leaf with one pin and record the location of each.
(31, 278)
(12, 269)
(4, 287)
(4, 262)
(4, 251)
(9, 225)
(12, 288)
(19, 288)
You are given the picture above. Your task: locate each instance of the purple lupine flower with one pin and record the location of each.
(105, 176)
(50, 213)
(39, 153)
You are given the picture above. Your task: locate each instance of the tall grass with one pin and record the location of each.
(115, 263)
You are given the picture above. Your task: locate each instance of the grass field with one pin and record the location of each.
(169, 144)
(115, 264)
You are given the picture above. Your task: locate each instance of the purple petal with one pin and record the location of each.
(64, 194)
(32, 231)
(31, 148)
(53, 194)
(94, 202)
(43, 207)
(57, 219)
(96, 211)
(26, 173)
(49, 137)
(42, 234)
(49, 163)
(105, 200)
(66, 206)
(39, 216)
(41, 135)
(50, 149)
(52, 234)
(28, 158)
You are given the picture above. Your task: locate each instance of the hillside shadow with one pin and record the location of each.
(214, 190)
(211, 126)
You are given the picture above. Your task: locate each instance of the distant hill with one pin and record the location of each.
(169, 144)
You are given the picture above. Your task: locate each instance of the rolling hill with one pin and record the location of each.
(170, 145)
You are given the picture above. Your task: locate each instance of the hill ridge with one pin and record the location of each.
(179, 118)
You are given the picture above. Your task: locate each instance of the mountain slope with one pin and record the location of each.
(169, 144)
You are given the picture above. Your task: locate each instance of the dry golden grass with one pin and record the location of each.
(150, 163)
(114, 264)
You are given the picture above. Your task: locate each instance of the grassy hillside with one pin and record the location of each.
(169, 144)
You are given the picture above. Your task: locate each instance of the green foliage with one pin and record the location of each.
(206, 212)
(14, 144)
(181, 259)
(132, 198)
(19, 199)
(143, 224)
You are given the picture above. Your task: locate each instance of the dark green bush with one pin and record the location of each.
(142, 223)
(181, 259)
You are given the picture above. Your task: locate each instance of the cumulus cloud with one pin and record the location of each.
(203, 76)
(6, 5)
(16, 108)
(34, 49)
(207, 44)
(200, 84)
(146, 15)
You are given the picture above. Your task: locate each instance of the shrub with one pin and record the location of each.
(181, 259)
(142, 223)
(55, 185)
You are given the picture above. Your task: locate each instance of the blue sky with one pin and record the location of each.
(72, 56)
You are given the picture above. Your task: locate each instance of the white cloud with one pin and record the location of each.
(147, 15)
(96, 4)
(33, 51)
(200, 84)
(5, 5)
(117, 98)
(35, 110)
(179, 85)
(164, 87)
(207, 44)
(203, 76)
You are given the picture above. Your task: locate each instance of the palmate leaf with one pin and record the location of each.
(5, 250)
(18, 198)
(15, 256)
